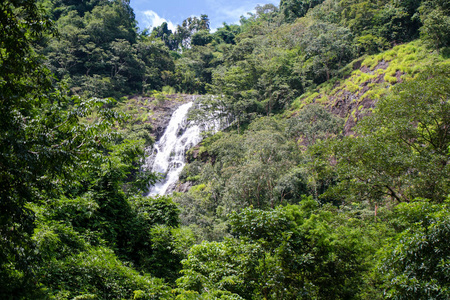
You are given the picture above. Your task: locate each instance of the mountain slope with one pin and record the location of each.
(354, 93)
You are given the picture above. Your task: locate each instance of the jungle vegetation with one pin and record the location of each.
(331, 182)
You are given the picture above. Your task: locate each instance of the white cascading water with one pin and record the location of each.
(169, 152)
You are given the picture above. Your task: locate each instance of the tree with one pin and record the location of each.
(293, 9)
(21, 24)
(155, 60)
(401, 150)
(99, 53)
(227, 33)
(288, 252)
(251, 179)
(201, 38)
(327, 48)
(193, 71)
(166, 35)
(357, 15)
(314, 123)
(110, 21)
(43, 143)
(190, 26)
(436, 25)
(208, 270)
(415, 264)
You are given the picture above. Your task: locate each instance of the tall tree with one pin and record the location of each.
(293, 9)
(327, 48)
(166, 35)
(190, 26)
(42, 142)
(436, 23)
(402, 149)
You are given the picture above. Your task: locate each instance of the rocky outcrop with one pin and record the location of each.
(161, 108)
(353, 97)
(184, 187)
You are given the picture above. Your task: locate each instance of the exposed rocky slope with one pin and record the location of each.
(354, 93)
(155, 110)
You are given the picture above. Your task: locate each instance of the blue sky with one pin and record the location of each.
(150, 13)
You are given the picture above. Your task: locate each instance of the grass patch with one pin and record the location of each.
(322, 100)
(371, 62)
(390, 79)
(352, 87)
(409, 59)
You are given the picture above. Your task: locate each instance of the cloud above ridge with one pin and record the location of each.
(151, 19)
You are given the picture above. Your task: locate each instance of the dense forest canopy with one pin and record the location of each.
(332, 180)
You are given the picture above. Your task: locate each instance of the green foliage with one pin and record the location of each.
(257, 168)
(312, 124)
(293, 9)
(327, 48)
(73, 222)
(45, 145)
(370, 44)
(390, 20)
(258, 73)
(203, 214)
(168, 90)
(143, 231)
(166, 35)
(193, 71)
(415, 264)
(62, 173)
(227, 33)
(436, 24)
(98, 273)
(201, 38)
(189, 27)
(99, 52)
(285, 253)
(267, 153)
(169, 248)
(362, 82)
(160, 210)
(75, 265)
(402, 150)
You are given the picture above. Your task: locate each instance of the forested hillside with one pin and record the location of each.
(331, 180)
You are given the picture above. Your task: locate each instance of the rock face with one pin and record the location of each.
(162, 108)
(165, 111)
(174, 137)
(184, 187)
(170, 158)
(353, 98)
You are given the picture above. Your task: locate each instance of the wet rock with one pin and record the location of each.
(161, 110)
(184, 187)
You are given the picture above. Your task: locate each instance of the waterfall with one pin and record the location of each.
(169, 152)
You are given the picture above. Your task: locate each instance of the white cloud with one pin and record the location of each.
(237, 12)
(151, 19)
(230, 11)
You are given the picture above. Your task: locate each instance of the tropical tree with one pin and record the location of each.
(43, 143)
(402, 149)
(414, 264)
(327, 49)
(436, 24)
(293, 9)
(289, 252)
